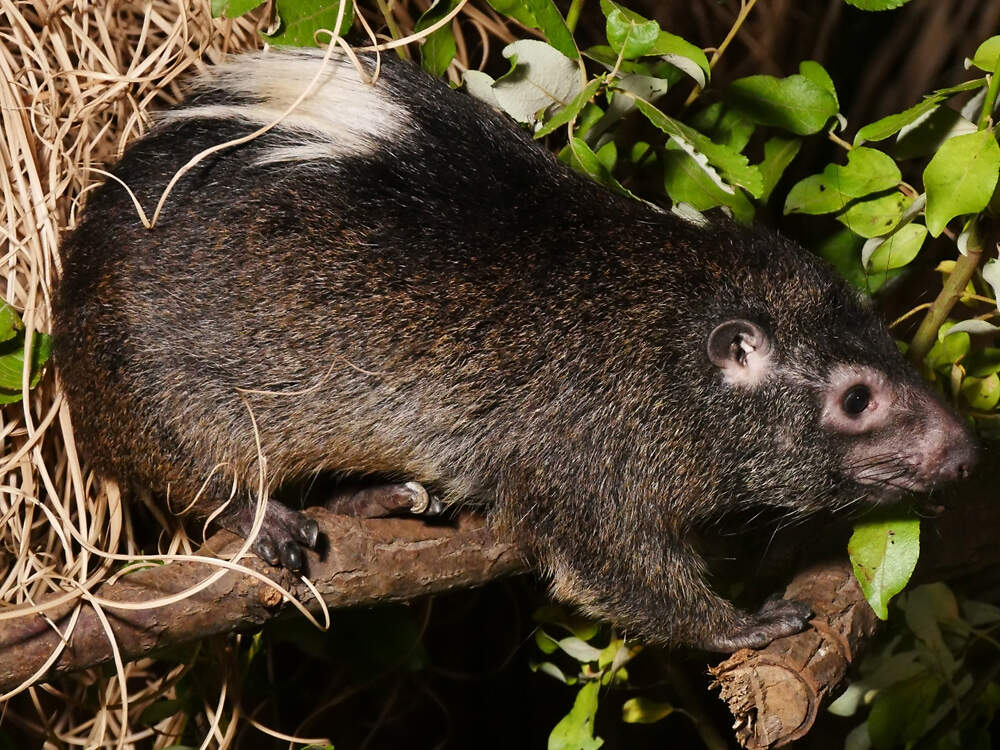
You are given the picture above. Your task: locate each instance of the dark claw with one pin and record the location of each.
(435, 507)
(292, 557)
(265, 550)
(307, 532)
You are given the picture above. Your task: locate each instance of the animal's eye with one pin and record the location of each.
(856, 400)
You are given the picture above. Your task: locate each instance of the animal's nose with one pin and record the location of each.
(959, 460)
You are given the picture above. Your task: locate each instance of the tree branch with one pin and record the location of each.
(371, 561)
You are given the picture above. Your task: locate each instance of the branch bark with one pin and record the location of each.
(372, 561)
(776, 693)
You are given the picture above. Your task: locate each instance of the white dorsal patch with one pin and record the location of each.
(343, 115)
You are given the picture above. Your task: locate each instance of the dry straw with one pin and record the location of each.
(77, 83)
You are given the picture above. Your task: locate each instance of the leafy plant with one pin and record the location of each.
(933, 682)
(12, 355)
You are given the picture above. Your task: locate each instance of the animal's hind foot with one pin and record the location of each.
(382, 500)
(283, 533)
(776, 619)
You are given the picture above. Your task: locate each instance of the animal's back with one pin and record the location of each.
(378, 302)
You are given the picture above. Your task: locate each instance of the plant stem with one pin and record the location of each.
(839, 141)
(951, 292)
(989, 102)
(573, 15)
(394, 30)
(745, 7)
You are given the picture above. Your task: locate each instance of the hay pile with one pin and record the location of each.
(77, 81)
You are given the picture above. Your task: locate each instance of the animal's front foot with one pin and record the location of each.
(776, 619)
(283, 534)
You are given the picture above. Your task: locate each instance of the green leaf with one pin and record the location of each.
(541, 78)
(644, 711)
(926, 136)
(841, 250)
(541, 15)
(877, 4)
(233, 8)
(553, 614)
(795, 103)
(949, 349)
(579, 649)
(814, 195)
(733, 165)
(583, 159)
(897, 250)
(480, 85)
(12, 364)
(925, 608)
(301, 18)
(928, 111)
(576, 730)
(680, 53)
(899, 712)
(616, 650)
(628, 38)
(686, 181)
(608, 155)
(547, 667)
(778, 154)
(987, 54)
(960, 178)
(545, 642)
(627, 89)
(438, 49)
(982, 393)
(892, 124)
(974, 326)
(550, 22)
(516, 9)
(985, 362)
(607, 57)
(571, 110)
(724, 125)
(818, 75)
(876, 216)
(10, 322)
(978, 614)
(867, 171)
(883, 553)
(674, 49)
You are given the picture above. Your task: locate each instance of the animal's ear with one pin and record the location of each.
(741, 349)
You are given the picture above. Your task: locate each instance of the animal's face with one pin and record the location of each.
(846, 410)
